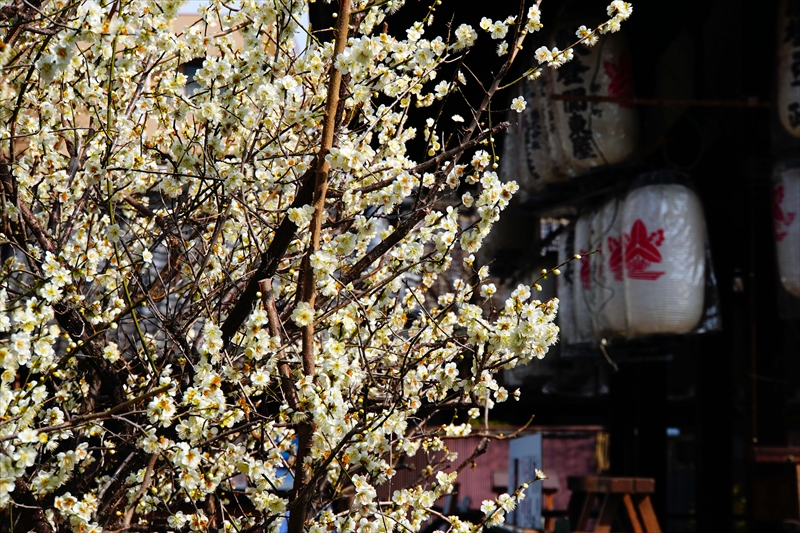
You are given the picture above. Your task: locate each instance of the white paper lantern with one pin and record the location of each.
(582, 279)
(551, 141)
(543, 153)
(665, 260)
(564, 288)
(608, 290)
(512, 162)
(532, 151)
(788, 65)
(594, 134)
(786, 218)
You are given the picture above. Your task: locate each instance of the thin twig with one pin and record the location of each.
(287, 386)
(83, 419)
(148, 477)
(432, 162)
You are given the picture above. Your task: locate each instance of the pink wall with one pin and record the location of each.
(566, 452)
(475, 480)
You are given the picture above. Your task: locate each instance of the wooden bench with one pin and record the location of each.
(624, 503)
(550, 487)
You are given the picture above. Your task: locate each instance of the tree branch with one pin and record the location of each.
(148, 478)
(91, 417)
(287, 386)
(270, 260)
(430, 162)
(300, 505)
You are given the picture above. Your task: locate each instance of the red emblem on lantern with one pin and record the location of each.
(780, 218)
(620, 84)
(615, 260)
(586, 271)
(600, 263)
(641, 251)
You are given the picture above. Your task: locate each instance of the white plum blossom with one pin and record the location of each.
(487, 291)
(113, 232)
(465, 37)
(621, 9)
(583, 32)
(302, 314)
(543, 55)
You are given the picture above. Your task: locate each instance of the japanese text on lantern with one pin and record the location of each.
(580, 132)
(792, 37)
(532, 126)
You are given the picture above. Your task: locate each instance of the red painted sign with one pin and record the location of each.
(641, 252)
(615, 262)
(780, 217)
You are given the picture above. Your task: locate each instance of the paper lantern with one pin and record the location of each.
(512, 164)
(664, 259)
(788, 65)
(582, 282)
(543, 153)
(594, 134)
(532, 151)
(564, 288)
(608, 289)
(551, 141)
(786, 219)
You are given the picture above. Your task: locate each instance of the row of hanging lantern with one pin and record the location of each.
(554, 140)
(786, 173)
(786, 221)
(646, 274)
(650, 271)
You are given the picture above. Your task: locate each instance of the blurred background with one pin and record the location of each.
(672, 148)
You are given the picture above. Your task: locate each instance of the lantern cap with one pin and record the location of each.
(662, 177)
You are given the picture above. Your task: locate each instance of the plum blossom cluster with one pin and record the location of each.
(619, 12)
(211, 317)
